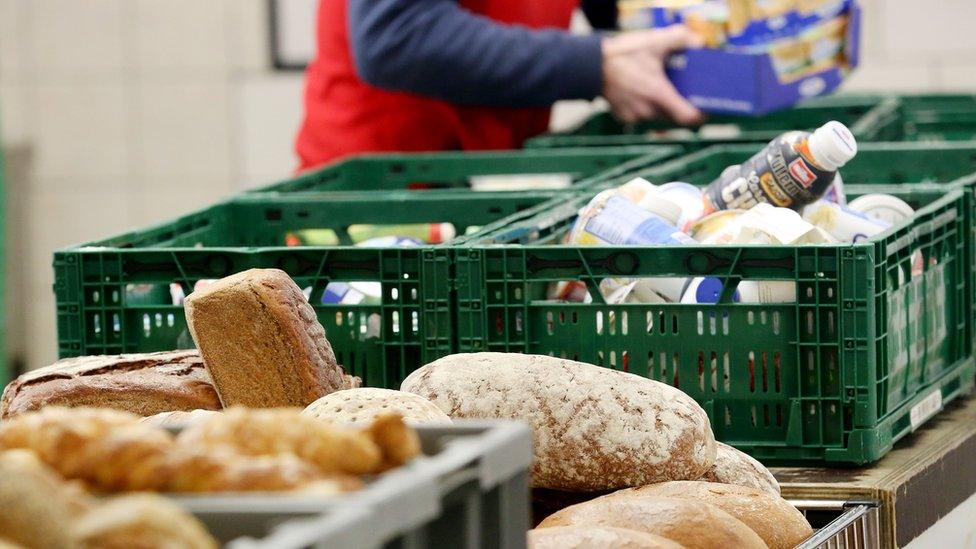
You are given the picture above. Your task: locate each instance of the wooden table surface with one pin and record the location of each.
(925, 476)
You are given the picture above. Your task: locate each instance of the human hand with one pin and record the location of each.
(634, 81)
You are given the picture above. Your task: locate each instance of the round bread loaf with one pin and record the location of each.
(38, 506)
(362, 406)
(179, 418)
(142, 520)
(596, 537)
(694, 524)
(595, 428)
(734, 467)
(777, 522)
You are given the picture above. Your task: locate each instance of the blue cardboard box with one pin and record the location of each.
(733, 82)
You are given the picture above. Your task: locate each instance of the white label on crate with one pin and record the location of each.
(929, 406)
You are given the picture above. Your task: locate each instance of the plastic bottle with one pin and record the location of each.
(431, 233)
(613, 220)
(792, 171)
(634, 214)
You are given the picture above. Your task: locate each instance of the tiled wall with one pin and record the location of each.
(131, 111)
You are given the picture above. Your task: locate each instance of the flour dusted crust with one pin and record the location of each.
(595, 428)
(363, 406)
(693, 524)
(779, 524)
(144, 384)
(735, 467)
(262, 342)
(596, 537)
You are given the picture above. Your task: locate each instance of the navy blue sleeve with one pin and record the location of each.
(602, 14)
(438, 49)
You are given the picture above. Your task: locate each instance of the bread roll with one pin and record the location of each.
(777, 522)
(362, 406)
(596, 537)
(222, 470)
(595, 428)
(734, 467)
(180, 418)
(694, 524)
(254, 432)
(144, 384)
(141, 521)
(35, 504)
(261, 341)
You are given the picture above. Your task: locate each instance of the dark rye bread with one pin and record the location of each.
(261, 341)
(144, 384)
(595, 428)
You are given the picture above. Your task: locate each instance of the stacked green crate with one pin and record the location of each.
(868, 116)
(117, 295)
(875, 343)
(461, 169)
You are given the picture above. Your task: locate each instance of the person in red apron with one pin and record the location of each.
(429, 75)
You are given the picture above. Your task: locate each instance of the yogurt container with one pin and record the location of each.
(842, 223)
(688, 197)
(712, 223)
(882, 206)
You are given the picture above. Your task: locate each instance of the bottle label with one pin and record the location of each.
(622, 222)
(777, 175)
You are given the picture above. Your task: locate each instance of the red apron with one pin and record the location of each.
(344, 115)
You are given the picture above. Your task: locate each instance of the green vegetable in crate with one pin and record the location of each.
(595, 428)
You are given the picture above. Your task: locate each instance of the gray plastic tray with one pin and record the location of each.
(469, 490)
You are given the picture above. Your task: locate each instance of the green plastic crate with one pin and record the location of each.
(113, 295)
(867, 116)
(454, 169)
(933, 118)
(837, 376)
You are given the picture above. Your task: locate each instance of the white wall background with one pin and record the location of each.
(131, 111)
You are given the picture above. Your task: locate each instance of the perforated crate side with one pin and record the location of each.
(787, 382)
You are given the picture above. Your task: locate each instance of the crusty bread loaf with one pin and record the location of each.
(262, 342)
(596, 537)
(363, 406)
(180, 418)
(777, 522)
(734, 467)
(141, 521)
(595, 428)
(144, 384)
(35, 504)
(694, 524)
